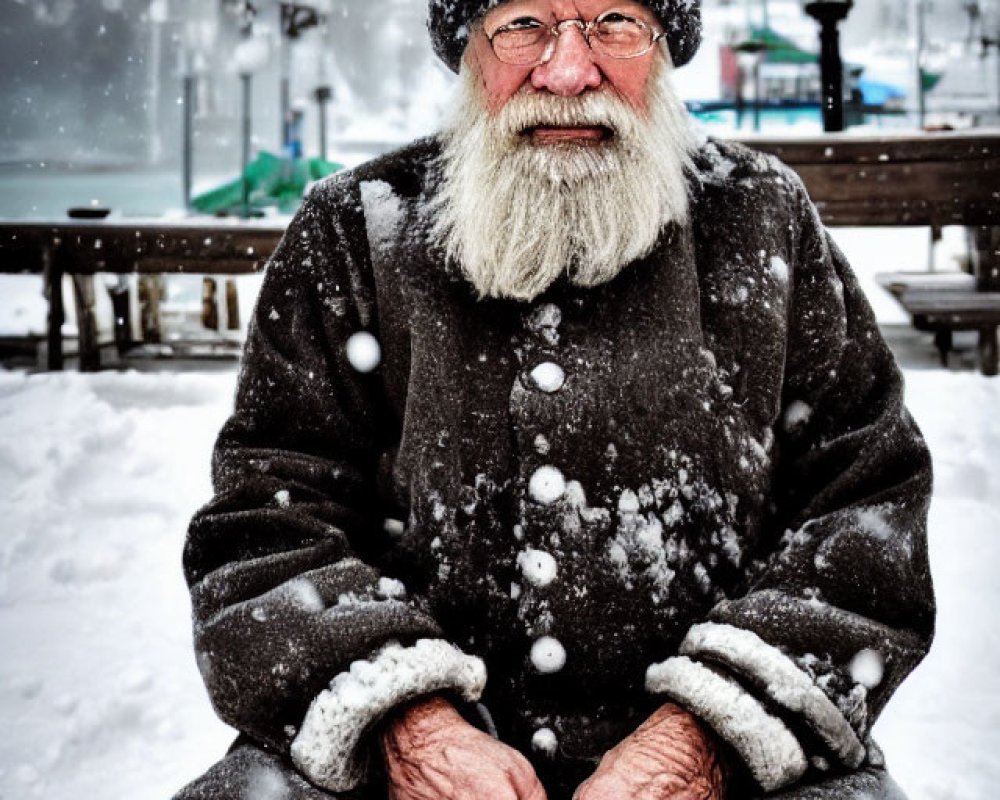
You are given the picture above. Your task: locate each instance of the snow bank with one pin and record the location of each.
(940, 730)
(98, 687)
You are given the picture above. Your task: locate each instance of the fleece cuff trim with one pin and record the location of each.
(767, 747)
(327, 748)
(775, 675)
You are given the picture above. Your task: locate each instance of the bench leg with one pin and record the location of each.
(232, 306)
(988, 350)
(943, 342)
(54, 294)
(150, 294)
(86, 323)
(121, 306)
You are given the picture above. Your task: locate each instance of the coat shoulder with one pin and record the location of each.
(405, 169)
(733, 184)
(726, 166)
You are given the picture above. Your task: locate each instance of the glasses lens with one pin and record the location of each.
(620, 37)
(521, 45)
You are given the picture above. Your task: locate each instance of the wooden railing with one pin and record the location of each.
(925, 179)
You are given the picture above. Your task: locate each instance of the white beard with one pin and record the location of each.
(516, 215)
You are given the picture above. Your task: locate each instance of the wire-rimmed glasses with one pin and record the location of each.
(528, 41)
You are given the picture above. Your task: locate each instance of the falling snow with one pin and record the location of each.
(363, 351)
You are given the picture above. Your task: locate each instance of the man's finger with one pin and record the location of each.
(535, 792)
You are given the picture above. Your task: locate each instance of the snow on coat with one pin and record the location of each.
(710, 493)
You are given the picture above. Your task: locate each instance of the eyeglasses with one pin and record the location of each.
(527, 41)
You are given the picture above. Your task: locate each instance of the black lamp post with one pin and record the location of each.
(829, 14)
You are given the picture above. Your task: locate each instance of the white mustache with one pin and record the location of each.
(528, 110)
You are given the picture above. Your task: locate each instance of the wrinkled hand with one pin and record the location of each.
(669, 757)
(431, 753)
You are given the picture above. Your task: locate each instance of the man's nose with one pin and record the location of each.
(571, 69)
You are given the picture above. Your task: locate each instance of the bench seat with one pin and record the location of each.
(941, 311)
(900, 283)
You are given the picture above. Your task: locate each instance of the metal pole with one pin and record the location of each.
(189, 85)
(323, 94)
(987, 43)
(153, 105)
(285, 91)
(919, 9)
(247, 80)
(756, 92)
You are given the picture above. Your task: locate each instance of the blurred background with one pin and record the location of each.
(94, 97)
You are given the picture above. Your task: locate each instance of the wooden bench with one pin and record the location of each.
(933, 179)
(944, 302)
(941, 313)
(928, 180)
(146, 247)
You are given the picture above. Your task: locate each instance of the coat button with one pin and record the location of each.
(548, 377)
(546, 485)
(548, 655)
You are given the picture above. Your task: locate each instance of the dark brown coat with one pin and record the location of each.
(730, 433)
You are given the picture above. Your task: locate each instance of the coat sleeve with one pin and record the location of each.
(301, 643)
(793, 670)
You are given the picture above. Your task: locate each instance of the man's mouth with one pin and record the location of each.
(575, 134)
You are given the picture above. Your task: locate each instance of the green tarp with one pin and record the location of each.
(272, 181)
(779, 49)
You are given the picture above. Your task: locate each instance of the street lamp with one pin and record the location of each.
(829, 14)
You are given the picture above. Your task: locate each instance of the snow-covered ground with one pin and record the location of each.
(99, 695)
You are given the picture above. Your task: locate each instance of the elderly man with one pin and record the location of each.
(567, 459)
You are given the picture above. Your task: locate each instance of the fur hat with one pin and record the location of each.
(450, 23)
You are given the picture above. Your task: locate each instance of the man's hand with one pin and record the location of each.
(431, 753)
(669, 757)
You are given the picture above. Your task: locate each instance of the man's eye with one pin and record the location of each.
(615, 17)
(522, 24)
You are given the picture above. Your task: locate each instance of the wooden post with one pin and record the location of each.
(232, 306)
(209, 304)
(989, 353)
(86, 323)
(57, 315)
(121, 308)
(986, 257)
(150, 294)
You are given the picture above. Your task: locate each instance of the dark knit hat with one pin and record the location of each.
(450, 23)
